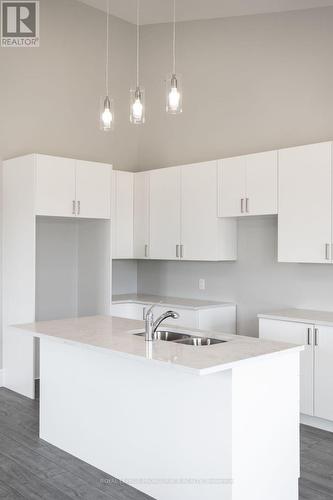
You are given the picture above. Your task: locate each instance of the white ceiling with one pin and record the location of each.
(160, 11)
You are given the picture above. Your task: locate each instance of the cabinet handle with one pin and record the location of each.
(181, 251)
(73, 207)
(78, 207)
(247, 205)
(316, 331)
(146, 250)
(309, 336)
(242, 205)
(327, 251)
(177, 251)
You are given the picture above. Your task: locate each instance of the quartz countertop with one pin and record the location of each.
(324, 318)
(168, 301)
(116, 334)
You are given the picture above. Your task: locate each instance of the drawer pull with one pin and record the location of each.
(316, 332)
(309, 336)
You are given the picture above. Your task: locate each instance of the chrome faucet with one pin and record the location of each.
(151, 325)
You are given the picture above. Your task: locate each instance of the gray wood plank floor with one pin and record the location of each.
(33, 469)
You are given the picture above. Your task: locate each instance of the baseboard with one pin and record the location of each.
(320, 423)
(1, 378)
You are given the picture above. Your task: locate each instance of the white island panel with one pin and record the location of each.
(172, 434)
(167, 433)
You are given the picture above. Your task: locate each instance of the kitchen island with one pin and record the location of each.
(176, 421)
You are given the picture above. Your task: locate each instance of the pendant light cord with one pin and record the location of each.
(174, 39)
(107, 47)
(137, 41)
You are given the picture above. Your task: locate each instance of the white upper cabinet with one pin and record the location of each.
(232, 187)
(55, 186)
(122, 214)
(72, 188)
(248, 185)
(203, 235)
(305, 204)
(183, 215)
(141, 215)
(93, 190)
(262, 183)
(164, 204)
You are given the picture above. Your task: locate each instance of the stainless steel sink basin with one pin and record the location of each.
(167, 336)
(200, 341)
(182, 338)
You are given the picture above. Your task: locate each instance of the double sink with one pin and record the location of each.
(182, 338)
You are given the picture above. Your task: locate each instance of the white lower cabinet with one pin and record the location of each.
(218, 319)
(295, 333)
(129, 310)
(323, 369)
(316, 370)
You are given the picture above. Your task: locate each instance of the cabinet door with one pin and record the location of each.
(141, 215)
(295, 333)
(165, 213)
(232, 189)
(122, 215)
(199, 222)
(93, 190)
(323, 394)
(261, 183)
(129, 310)
(304, 229)
(55, 186)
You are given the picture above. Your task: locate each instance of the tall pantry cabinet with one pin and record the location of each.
(56, 250)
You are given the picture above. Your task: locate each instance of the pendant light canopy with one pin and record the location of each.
(137, 95)
(173, 81)
(107, 110)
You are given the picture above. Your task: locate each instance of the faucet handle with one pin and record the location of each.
(149, 311)
(145, 313)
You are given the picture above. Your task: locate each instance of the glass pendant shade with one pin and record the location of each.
(173, 94)
(137, 106)
(107, 114)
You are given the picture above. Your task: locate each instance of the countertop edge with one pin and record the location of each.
(295, 319)
(173, 304)
(194, 371)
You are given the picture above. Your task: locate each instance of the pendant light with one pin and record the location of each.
(173, 82)
(137, 96)
(107, 111)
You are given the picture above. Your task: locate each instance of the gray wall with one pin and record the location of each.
(49, 96)
(250, 84)
(124, 276)
(256, 282)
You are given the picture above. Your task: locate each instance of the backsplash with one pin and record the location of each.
(256, 282)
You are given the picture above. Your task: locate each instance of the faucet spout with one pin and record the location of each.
(163, 317)
(151, 325)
